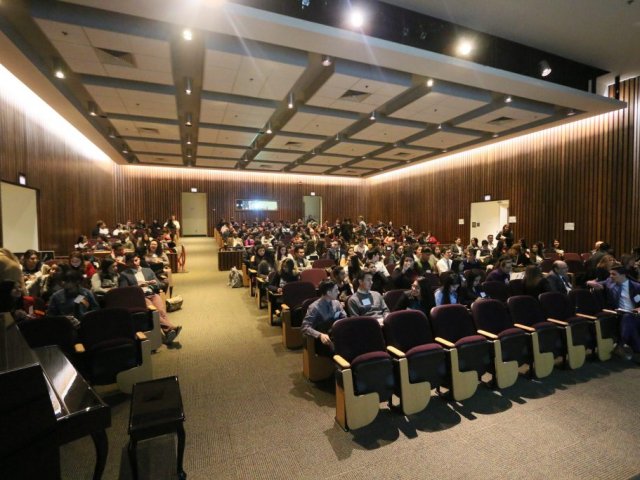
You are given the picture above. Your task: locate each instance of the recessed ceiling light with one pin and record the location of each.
(111, 133)
(187, 34)
(269, 131)
(508, 99)
(430, 82)
(571, 112)
(290, 104)
(187, 86)
(326, 61)
(356, 18)
(464, 47)
(495, 135)
(58, 69)
(189, 142)
(93, 110)
(545, 68)
(188, 121)
(372, 117)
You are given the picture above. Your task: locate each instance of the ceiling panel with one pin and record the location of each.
(160, 159)
(503, 119)
(225, 113)
(328, 160)
(352, 172)
(326, 125)
(444, 139)
(403, 154)
(134, 102)
(271, 167)
(309, 169)
(351, 149)
(226, 137)
(346, 92)
(385, 132)
(129, 128)
(223, 152)
(277, 156)
(374, 164)
(154, 147)
(299, 144)
(215, 163)
(437, 107)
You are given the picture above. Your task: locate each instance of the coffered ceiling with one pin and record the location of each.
(261, 97)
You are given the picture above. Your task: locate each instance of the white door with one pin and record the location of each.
(487, 218)
(194, 214)
(312, 208)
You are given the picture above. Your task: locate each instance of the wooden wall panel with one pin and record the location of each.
(587, 172)
(154, 192)
(75, 188)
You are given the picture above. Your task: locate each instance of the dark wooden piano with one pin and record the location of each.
(44, 403)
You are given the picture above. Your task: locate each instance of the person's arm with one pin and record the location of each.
(438, 297)
(383, 306)
(309, 321)
(54, 307)
(96, 284)
(353, 306)
(93, 303)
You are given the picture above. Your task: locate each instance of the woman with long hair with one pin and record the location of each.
(448, 293)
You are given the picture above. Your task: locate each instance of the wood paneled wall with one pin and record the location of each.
(587, 172)
(149, 193)
(75, 189)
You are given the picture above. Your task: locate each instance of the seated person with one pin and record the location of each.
(105, 278)
(300, 259)
(502, 271)
(73, 301)
(81, 264)
(287, 273)
(158, 261)
(31, 268)
(471, 261)
(472, 289)
(419, 297)
(448, 293)
(339, 276)
(135, 275)
(405, 273)
(366, 302)
(234, 241)
(534, 281)
(558, 278)
(102, 244)
(444, 264)
(322, 313)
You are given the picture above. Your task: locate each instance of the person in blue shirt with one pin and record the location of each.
(448, 293)
(72, 300)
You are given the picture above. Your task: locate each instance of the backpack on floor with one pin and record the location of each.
(174, 303)
(235, 278)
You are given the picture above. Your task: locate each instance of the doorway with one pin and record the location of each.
(487, 218)
(312, 208)
(194, 214)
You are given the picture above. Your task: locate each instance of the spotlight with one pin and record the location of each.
(439, 126)
(356, 18)
(58, 69)
(495, 135)
(372, 117)
(111, 133)
(187, 120)
(508, 99)
(430, 83)
(464, 47)
(189, 153)
(187, 86)
(571, 113)
(93, 110)
(338, 137)
(313, 152)
(189, 142)
(545, 68)
(269, 131)
(290, 104)
(125, 150)
(326, 61)
(187, 34)
(445, 150)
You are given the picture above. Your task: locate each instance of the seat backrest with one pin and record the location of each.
(355, 336)
(106, 324)
(526, 310)
(406, 329)
(392, 298)
(452, 322)
(433, 279)
(571, 256)
(575, 265)
(491, 315)
(390, 267)
(298, 313)
(516, 286)
(547, 264)
(313, 275)
(584, 301)
(552, 256)
(556, 305)
(49, 330)
(496, 290)
(294, 293)
(131, 298)
(585, 256)
(323, 263)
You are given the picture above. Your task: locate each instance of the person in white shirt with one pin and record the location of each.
(174, 227)
(491, 243)
(444, 264)
(361, 248)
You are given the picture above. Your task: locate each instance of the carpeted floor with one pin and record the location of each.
(251, 415)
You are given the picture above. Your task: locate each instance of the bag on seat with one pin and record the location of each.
(174, 303)
(235, 278)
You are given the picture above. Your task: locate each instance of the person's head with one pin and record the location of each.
(606, 262)
(300, 252)
(447, 254)
(474, 241)
(505, 264)
(473, 277)
(287, 265)
(457, 266)
(338, 274)
(361, 241)
(471, 254)
(75, 259)
(628, 261)
(261, 250)
(505, 227)
(458, 241)
(556, 243)
(334, 244)
(373, 255)
(71, 281)
(154, 247)
(618, 273)
(108, 266)
(489, 238)
(596, 246)
(560, 268)
(407, 262)
(132, 260)
(436, 250)
(31, 260)
(328, 289)
(365, 280)
(451, 283)
(532, 274)
(485, 243)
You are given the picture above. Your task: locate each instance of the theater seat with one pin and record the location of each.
(293, 296)
(420, 362)
(313, 275)
(604, 323)
(497, 290)
(392, 299)
(364, 375)
(315, 367)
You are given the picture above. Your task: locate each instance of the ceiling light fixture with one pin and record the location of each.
(189, 153)
(187, 86)
(187, 120)
(571, 113)
(356, 18)
(125, 150)
(269, 131)
(58, 69)
(189, 142)
(111, 133)
(508, 99)
(338, 137)
(187, 34)
(290, 104)
(372, 117)
(464, 47)
(439, 126)
(495, 135)
(326, 61)
(445, 150)
(545, 68)
(93, 110)
(430, 83)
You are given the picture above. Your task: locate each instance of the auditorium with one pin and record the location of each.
(255, 239)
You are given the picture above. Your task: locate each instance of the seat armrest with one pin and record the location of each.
(151, 308)
(489, 335)
(284, 306)
(444, 342)
(395, 352)
(612, 312)
(261, 280)
(342, 363)
(252, 271)
(558, 322)
(526, 328)
(584, 315)
(141, 336)
(79, 348)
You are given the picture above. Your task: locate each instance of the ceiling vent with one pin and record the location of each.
(354, 96)
(115, 57)
(293, 144)
(501, 121)
(148, 131)
(402, 154)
